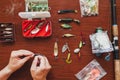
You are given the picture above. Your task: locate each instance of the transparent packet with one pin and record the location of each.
(35, 9)
(100, 42)
(93, 71)
(89, 7)
(36, 5)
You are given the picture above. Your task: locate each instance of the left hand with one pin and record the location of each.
(18, 58)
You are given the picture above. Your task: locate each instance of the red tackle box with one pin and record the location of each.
(36, 24)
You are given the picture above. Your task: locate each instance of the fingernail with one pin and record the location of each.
(38, 55)
(33, 55)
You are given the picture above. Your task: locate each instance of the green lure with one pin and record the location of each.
(80, 44)
(66, 26)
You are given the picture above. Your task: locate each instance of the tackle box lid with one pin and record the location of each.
(29, 15)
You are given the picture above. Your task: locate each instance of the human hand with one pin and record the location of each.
(40, 68)
(18, 58)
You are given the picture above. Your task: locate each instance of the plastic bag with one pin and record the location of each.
(89, 7)
(36, 5)
(93, 71)
(100, 42)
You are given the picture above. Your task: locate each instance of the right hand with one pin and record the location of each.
(40, 68)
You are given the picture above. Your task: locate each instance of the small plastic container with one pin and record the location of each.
(36, 25)
(89, 7)
(93, 71)
(7, 32)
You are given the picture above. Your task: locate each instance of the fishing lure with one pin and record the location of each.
(80, 44)
(29, 27)
(7, 32)
(56, 50)
(47, 27)
(79, 54)
(66, 26)
(8, 29)
(69, 20)
(65, 47)
(7, 35)
(77, 50)
(107, 58)
(3, 25)
(7, 39)
(37, 28)
(68, 60)
(67, 11)
(68, 35)
(83, 38)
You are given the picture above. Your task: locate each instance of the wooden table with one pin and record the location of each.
(60, 70)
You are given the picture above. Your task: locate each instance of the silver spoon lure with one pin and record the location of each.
(37, 28)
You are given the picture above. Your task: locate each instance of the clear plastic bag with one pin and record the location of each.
(100, 42)
(36, 5)
(93, 71)
(89, 7)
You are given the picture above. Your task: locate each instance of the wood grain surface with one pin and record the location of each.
(60, 70)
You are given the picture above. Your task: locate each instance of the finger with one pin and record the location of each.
(42, 62)
(34, 63)
(13, 53)
(25, 59)
(24, 53)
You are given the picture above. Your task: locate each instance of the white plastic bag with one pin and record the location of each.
(100, 42)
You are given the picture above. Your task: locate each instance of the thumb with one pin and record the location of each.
(34, 63)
